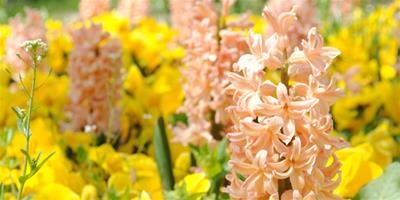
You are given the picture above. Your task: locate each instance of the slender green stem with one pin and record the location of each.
(28, 124)
(285, 76)
(284, 72)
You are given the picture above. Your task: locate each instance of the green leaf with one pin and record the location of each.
(386, 187)
(178, 117)
(34, 167)
(82, 154)
(163, 156)
(213, 162)
(21, 119)
(1, 192)
(28, 157)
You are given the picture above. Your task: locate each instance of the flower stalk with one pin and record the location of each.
(36, 50)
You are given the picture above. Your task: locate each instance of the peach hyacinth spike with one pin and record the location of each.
(92, 8)
(280, 140)
(32, 28)
(210, 53)
(95, 69)
(134, 9)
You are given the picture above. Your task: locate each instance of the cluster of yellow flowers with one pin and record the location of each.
(368, 70)
(85, 166)
(80, 169)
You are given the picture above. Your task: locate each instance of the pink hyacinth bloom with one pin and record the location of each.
(306, 18)
(178, 9)
(92, 8)
(134, 9)
(95, 71)
(210, 53)
(280, 140)
(33, 28)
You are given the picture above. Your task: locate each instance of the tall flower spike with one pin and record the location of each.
(178, 9)
(33, 28)
(134, 9)
(210, 54)
(280, 139)
(95, 71)
(92, 8)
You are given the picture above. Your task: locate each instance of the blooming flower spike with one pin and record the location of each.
(280, 139)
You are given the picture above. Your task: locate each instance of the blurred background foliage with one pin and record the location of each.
(66, 9)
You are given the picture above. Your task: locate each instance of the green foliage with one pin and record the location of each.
(82, 155)
(163, 155)
(112, 194)
(22, 121)
(214, 162)
(178, 117)
(34, 165)
(386, 187)
(2, 191)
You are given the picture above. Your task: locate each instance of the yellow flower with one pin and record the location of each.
(354, 111)
(389, 92)
(89, 192)
(196, 183)
(134, 79)
(4, 32)
(384, 146)
(182, 165)
(146, 176)
(150, 43)
(60, 45)
(143, 196)
(114, 23)
(168, 87)
(110, 160)
(259, 23)
(42, 140)
(8, 176)
(120, 181)
(357, 169)
(373, 45)
(73, 139)
(55, 191)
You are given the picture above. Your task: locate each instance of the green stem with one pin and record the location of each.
(28, 124)
(284, 72)
(285, 76)
(163, 155)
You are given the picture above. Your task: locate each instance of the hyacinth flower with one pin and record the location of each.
(306, 18)
(178, 9)
(134, 9)
(280, 142)
(211, 50)
(92, 8)
(33, 28)
(95, 71)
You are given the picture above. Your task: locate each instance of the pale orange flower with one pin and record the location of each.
(134, 9)
(92, 8)
(280, 140)
(210, 53)
(306, 18)
(95, 71)
(32, 28)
